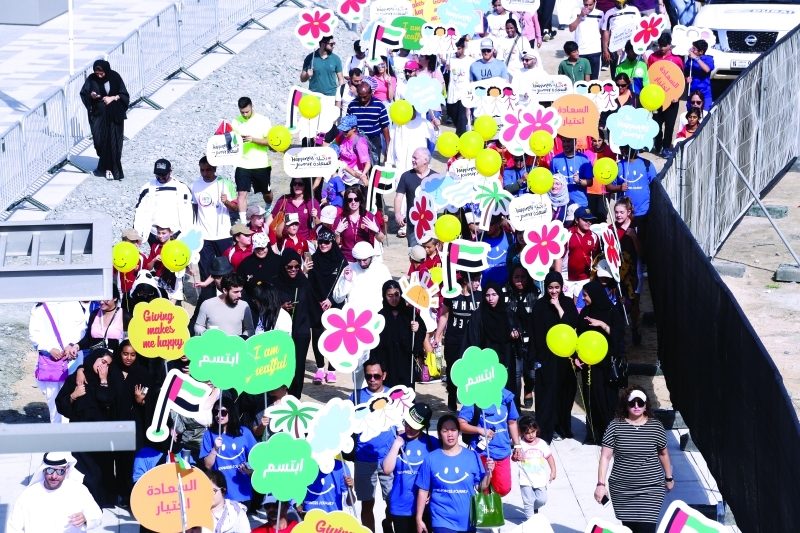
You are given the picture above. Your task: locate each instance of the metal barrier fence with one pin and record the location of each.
(162, 47)
(757, 120)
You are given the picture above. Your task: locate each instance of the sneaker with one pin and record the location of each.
(331, 377)
(319, 376)
(557, 437)
(546, 35)
(604, 67)
(553, 34)
(528, 403)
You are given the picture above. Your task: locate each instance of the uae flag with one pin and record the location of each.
(180, 461)
(382, 182)
(179, 393)
(185, 395)
(294, 107)
(388, 35)
(461, 255)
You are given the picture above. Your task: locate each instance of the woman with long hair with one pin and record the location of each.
(226, 447)
(329, 261)
(106, 100)
(229, 516)
(107, 326)
(355, 223)
(267, 300)
(599, 315)
(401, 339)
(632, 251)
(383, 73)
(642, 468)
(696, 100)
(300, 199)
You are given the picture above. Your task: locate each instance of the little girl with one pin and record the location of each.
(532, 477)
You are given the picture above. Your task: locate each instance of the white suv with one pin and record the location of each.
(744, 31)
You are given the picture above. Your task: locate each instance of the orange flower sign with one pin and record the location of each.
(579, 114)
(156, 499)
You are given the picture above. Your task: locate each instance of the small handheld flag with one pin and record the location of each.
(179, 393)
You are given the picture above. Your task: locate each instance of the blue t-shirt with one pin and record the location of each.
(639, 175)
(496, 418)
(402, 498)
(701, 80)
(451, 481)
(333, 190)
(496, 259)
(567, 167)
(512, 176)
(483, 71)
(234, 452)
(327, 491)
(374, 450)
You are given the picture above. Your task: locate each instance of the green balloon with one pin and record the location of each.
(221, 359)
(480, 378)
(413, 27)
(273, 352)
(283, 467)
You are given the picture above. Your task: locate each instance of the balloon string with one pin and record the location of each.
(587, 407)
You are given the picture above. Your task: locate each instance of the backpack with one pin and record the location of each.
(476, 417)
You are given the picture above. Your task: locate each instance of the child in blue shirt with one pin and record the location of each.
(698, 71)
(328, 490)
(576, 169)
(333, 191)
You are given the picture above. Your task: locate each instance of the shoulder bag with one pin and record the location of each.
(278, 219)
(486, 510)
(48, 369)
(103, 344)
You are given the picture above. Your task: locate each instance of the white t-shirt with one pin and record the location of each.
(534, 464)
(587, 34)
(507, 48)
(213, 218)
(345, 96)
(459, 78)
(497, 24)
(617, 18)
(355, 62)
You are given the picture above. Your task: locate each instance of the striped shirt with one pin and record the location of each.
(372, 118)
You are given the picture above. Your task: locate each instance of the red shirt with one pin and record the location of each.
(300, 246)
(658, 56)
(236, 255)
(126, 280)
(271, 529)
(580, 253)
(271, 234)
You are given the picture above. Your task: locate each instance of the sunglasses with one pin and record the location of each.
(51, 471)
(381, 65)
(409, 70)
(698, 102)
(622, 85)
(220, 412)
(297, 184)
(321, 241)
(331, 44)
(292, 267)
(376, 377)
(636, 402)
(353, 199)
(486, 51)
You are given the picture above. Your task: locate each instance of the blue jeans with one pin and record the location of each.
(684, 11)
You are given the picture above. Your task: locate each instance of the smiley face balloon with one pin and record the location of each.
(125, 256)
(605, 170)
(279, 138)
(175, 255)
(541, 143)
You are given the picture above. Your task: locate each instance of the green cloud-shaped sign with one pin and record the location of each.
(283, 467)
(222, 359)
(480, 378)
(275, 363)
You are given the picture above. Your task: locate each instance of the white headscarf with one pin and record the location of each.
(562, 198)
(55, 460)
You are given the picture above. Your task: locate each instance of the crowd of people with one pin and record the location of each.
(321, 244)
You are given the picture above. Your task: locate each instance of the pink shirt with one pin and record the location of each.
(658, 56)
(354, 157)
(114, 326)
(303, 213)
(382, 92)
(530, 27)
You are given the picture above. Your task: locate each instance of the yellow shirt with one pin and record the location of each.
(253, 155)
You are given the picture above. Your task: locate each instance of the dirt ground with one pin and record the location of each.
(772, 307)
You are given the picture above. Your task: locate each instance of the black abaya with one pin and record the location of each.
(555, 379)
(106, 121)
(394, 349)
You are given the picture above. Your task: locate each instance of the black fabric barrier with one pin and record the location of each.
(722, 380)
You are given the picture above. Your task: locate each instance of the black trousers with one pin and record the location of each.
(565, 397)
(301, 350)
(640, 527)
(545, 12)
(210, 250)
(316, 333)
(458, 114)
(597, 205)
(666, 123)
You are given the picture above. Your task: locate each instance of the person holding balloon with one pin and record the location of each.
(576, 168)
(167, 279)
(598, 316)
(515, 178)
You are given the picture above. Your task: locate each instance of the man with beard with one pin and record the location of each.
(228, 312)
(55, 499)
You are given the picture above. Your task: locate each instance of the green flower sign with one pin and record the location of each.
(480, 378)
(283, 467)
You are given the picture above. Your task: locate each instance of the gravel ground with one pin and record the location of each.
(264, 71)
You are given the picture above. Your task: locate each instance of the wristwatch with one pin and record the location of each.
(517, 446)
(669, 480)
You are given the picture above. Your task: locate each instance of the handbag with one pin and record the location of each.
(433, 368)
(103, 344)
(48, 369)
(279, 218)
(618, 373)
(486, 510)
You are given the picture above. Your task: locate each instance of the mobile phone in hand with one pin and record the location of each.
(605, 501)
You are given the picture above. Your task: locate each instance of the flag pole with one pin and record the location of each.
(413, 334)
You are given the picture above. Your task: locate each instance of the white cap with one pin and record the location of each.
(260, 240)
(328, 214)
(471, 217)
(161, 221)
(292, 218)
(363, 250)
(603, 270)
(636, 393)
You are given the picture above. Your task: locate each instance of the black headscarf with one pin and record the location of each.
(495, 319)
(545, 315)
(327, 266)
(307, 307)
(286, 282)
(112, 77)
(601, 307)
(99, 403)
(137, 375)
(401, 306)
(115, 111)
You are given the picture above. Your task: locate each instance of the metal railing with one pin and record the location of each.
(757, 120)
(161, 48)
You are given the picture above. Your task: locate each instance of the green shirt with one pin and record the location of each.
(576, 72)
(324, 80)
(257, 126)
(636, 70)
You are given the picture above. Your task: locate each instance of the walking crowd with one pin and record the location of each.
(320, 245)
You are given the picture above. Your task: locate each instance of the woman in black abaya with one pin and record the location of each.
(494, 325)
(599, 315)
(329, 262)
(106, 99)
(299, 301)
(555, 379)
(395, 347)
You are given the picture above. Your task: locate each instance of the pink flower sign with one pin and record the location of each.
(543, 246)
(517, 127)
(314, 25)
(348, 333)
(353, 10)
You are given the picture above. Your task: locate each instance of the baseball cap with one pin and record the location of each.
(585, 213)
(411, 65)
(487, 44)
(347, 123)
(240, 228)
(328, 214)
(131, 234)
(260, 240)
(292, 218)
(161, 221)
(162, 167)
(255, 210)
(603, 270)
(417, 253)
(418, 416)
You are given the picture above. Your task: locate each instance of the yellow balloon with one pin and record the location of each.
(310, 106)
(605, 170)
(175, 255)
(485, 126)
(488, 162)
(652, 97)
(540, 180)
(592, 347)
(541, 143)
(470, 144)
(401, 112)
(125, 256)
(447, 228)
(562, 340)
(436, 275)
(279, 138)
(447, 144)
